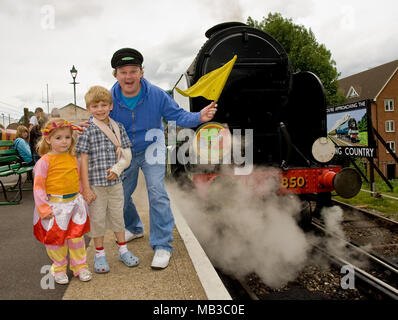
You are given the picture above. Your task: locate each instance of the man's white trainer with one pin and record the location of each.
(131, 236)
(160, 259)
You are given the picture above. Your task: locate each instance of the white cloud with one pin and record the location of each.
(38, 49)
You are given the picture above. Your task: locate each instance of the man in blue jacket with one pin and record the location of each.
(140, 106)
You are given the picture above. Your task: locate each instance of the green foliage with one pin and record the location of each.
(304, 52)
(382, 205)
(382, 187)
(363, 124)
(363, 138)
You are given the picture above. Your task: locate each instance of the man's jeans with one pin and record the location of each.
(161, 217)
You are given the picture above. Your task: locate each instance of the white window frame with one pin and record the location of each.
(388, 105)
(391, 144)
(390, 126)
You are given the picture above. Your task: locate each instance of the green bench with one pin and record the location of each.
(11, 164)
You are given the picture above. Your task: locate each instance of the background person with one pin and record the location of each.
(55, 113)
(34, 120)
(35, 136)
(141, 106)
(21, 144)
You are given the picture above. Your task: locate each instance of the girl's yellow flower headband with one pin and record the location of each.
(51, 126)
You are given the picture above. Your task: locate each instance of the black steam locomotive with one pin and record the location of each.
(285, 110)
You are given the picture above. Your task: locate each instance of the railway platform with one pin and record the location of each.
(189, 276)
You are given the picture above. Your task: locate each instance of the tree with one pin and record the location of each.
(304, 52)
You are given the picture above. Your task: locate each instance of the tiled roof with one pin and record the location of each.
(368, 83)
(71, 105)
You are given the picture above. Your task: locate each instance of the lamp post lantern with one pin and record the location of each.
(73, 72)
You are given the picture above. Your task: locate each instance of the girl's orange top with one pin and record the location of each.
(62, 175)
(54, 174)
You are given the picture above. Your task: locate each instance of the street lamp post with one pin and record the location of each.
(73, 72)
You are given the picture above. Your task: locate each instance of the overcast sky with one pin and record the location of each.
(42, 39)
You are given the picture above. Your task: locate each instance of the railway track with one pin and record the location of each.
(378, 277)
(237, 288)
(368, 229)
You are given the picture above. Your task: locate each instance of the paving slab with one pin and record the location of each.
(179, 281)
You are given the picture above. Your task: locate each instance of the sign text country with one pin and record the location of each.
(356, 152)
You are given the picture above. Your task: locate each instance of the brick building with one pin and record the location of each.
(78, 114)
(380, 85)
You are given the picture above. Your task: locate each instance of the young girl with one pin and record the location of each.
(21, 143)
(60, 215)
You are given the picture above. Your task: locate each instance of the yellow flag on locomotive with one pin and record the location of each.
(211, 84)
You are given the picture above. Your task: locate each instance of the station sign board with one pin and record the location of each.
(349, 126)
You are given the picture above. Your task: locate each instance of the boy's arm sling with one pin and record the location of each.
(124, 155)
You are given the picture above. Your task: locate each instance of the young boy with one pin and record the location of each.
(100, 146)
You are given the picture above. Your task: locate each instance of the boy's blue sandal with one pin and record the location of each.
(129, 259)
(101, 265)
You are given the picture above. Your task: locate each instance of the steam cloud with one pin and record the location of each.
(243, 232)
(245, 227)
(333, 218)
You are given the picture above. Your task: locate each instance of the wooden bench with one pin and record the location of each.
(11, 164)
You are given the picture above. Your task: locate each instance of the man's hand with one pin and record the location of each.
(208, 112)
(82, 126)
